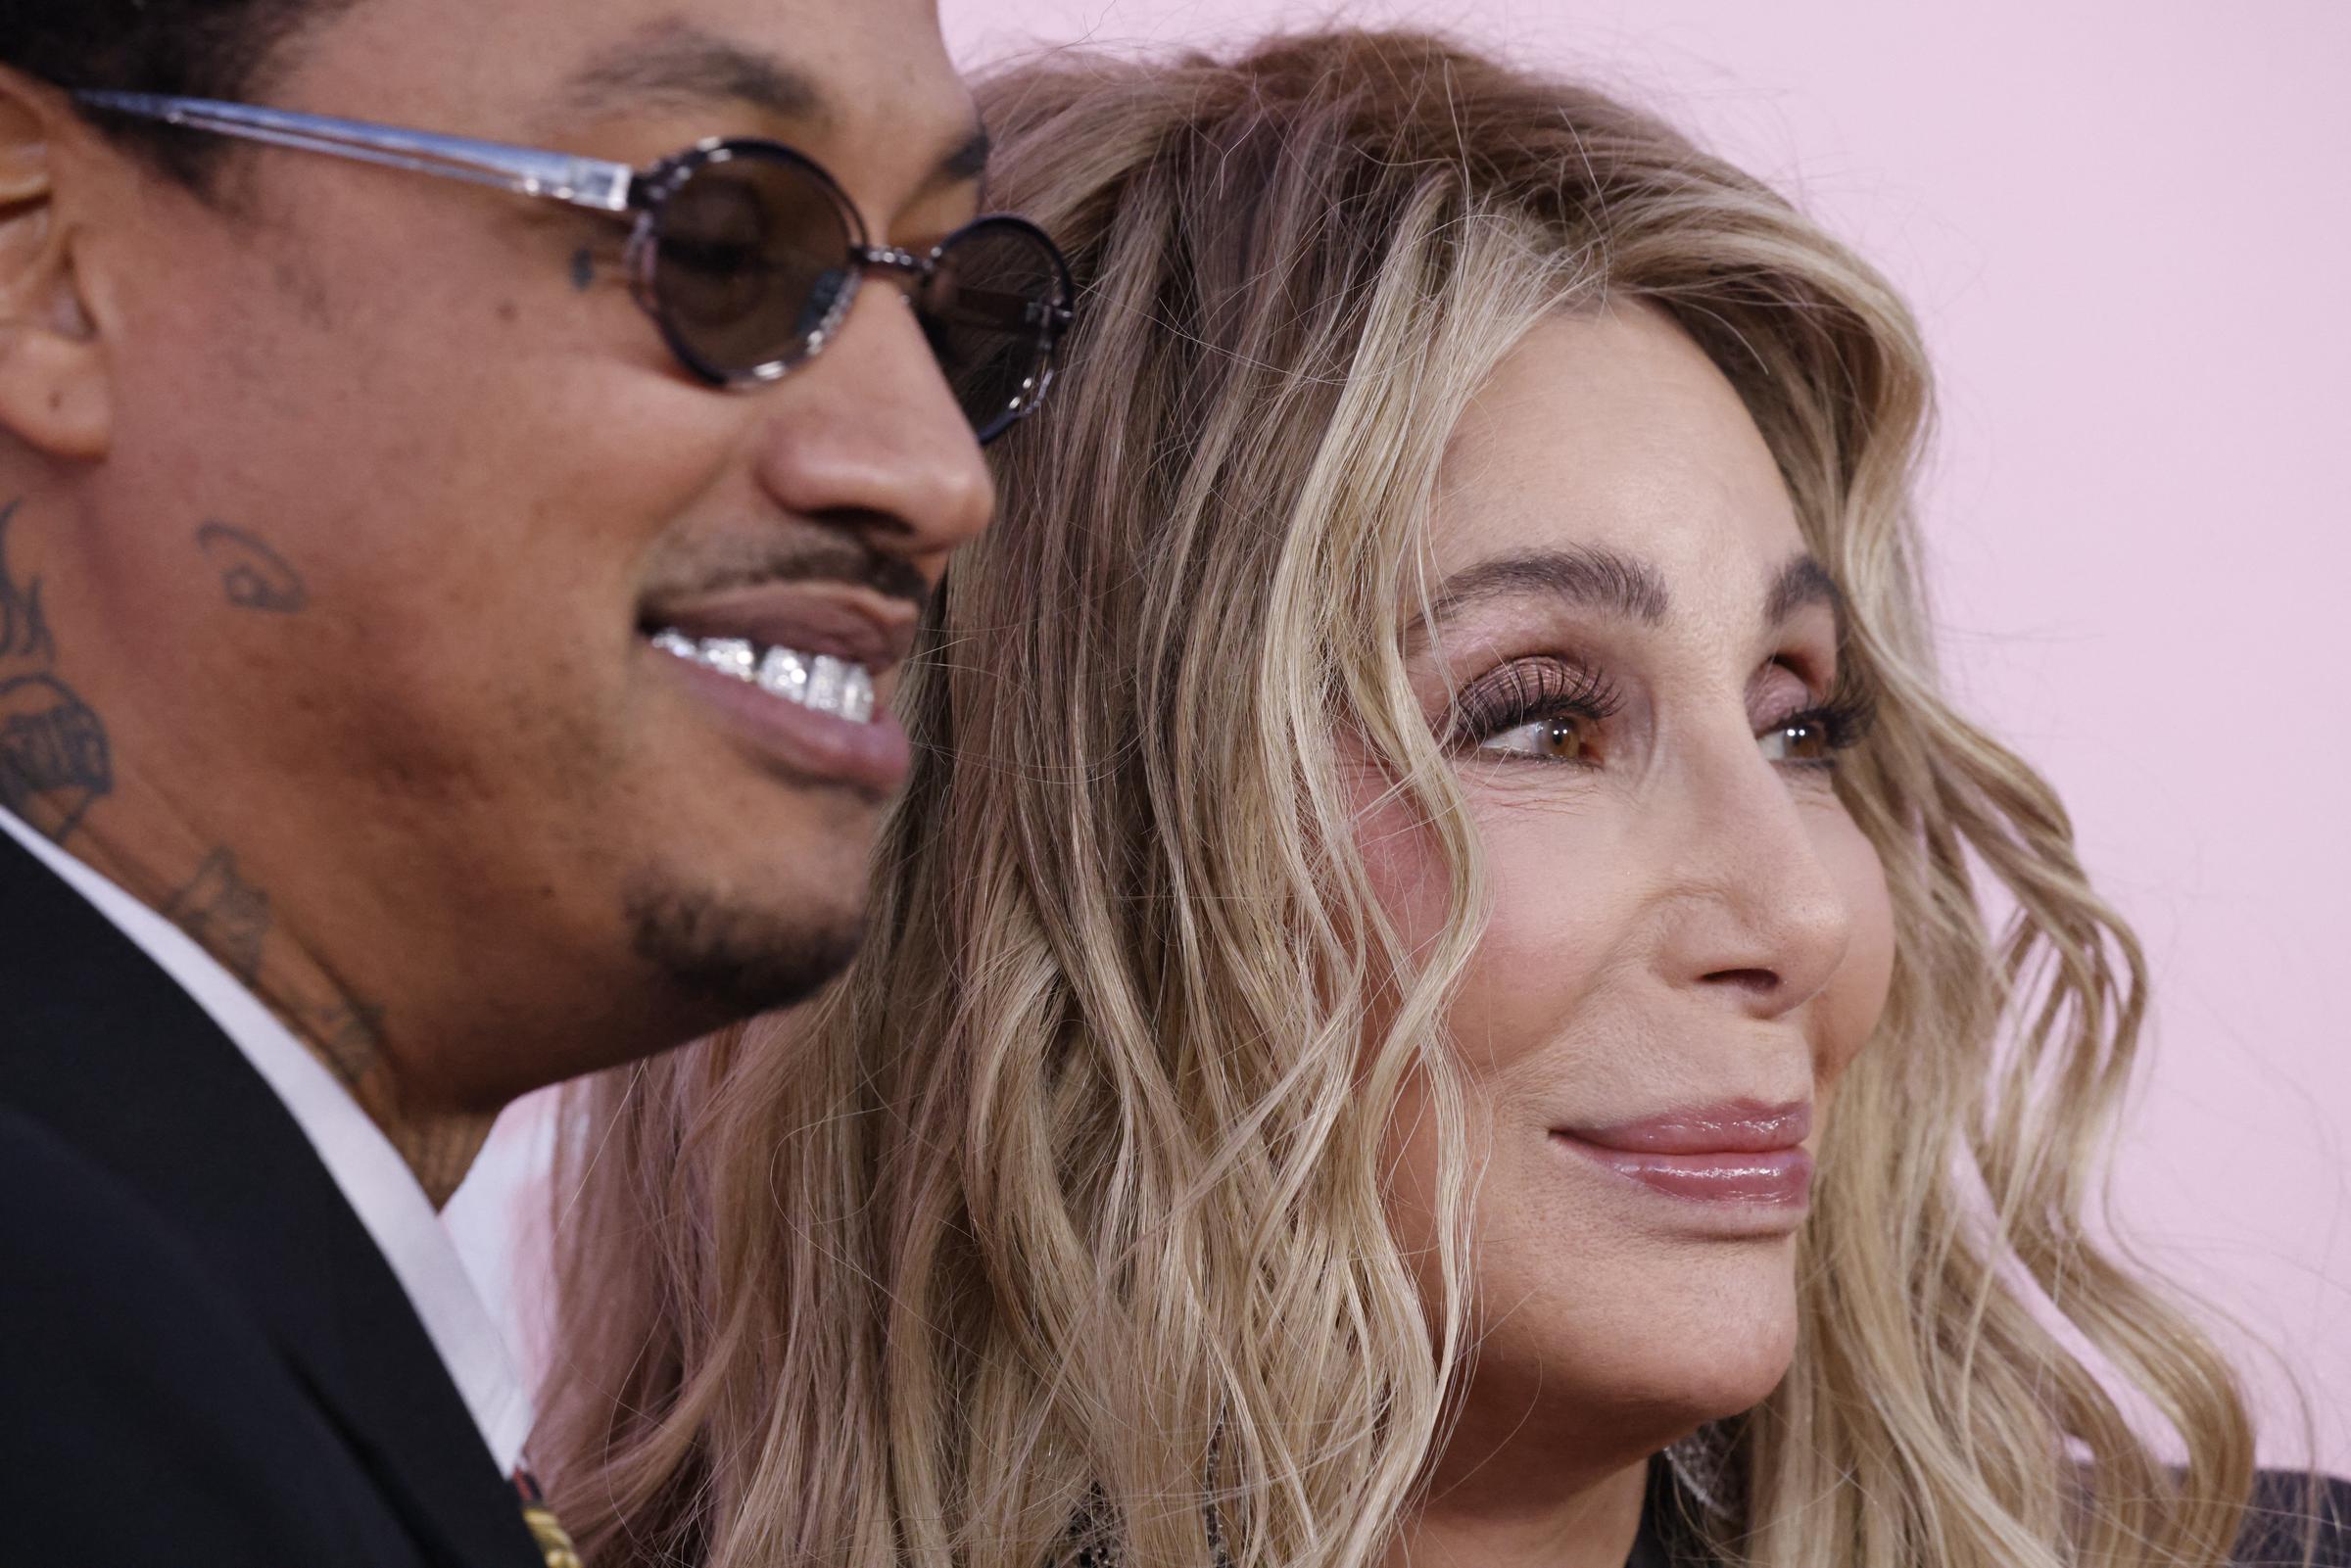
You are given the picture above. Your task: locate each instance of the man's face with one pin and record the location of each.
(439, 412)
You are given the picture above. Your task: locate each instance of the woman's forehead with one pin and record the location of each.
(1613, 433)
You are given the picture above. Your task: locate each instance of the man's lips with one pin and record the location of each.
(1738, 1151)
(829, 732)
(840, 619)
(798, 669)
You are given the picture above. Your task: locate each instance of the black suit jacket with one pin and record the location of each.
(203, 1358)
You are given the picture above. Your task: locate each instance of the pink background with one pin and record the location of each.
(2124, 227)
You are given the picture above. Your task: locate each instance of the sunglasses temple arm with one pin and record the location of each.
(581, 182)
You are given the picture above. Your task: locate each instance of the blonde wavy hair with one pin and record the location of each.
(1058, 1225)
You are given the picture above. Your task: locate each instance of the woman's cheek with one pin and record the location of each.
(1407, 870)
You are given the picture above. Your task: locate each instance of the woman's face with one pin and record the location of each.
(1635, 662)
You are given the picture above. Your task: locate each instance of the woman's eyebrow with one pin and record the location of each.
(1802, 582)
(1622, 585)
(1594, 578)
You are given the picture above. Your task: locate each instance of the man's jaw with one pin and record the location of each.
(733, 961)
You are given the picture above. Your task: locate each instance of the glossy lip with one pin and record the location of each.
(872, 757)
(1739, 1153)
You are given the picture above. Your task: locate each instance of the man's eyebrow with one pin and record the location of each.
(1597, 579)
(676, 63)
(967, 162)
(1802, 581)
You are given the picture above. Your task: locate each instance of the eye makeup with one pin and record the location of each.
(1559, 701)
(1814, 737)
(1555, 709)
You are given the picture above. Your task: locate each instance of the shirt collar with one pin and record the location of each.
(369, 1172)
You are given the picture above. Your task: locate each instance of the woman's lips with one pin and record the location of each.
(1780, 1178)
(1737, 1153)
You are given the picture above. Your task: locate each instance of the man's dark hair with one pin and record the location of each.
(194, 48)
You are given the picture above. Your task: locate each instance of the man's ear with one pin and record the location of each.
(55, 393)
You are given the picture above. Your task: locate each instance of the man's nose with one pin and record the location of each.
(871, 438)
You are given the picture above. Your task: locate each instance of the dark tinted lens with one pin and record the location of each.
(751, 257)
(993, 309)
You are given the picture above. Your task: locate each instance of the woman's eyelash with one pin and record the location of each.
(1846, 717)
(1526, 692)
(1533, 691)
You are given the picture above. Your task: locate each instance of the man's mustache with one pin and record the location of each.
(756, 563)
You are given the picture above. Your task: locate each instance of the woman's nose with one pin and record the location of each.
(1759, 918)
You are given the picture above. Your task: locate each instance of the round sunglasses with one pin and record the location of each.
(746, 254)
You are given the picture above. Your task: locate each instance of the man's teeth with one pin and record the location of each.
(816, 680)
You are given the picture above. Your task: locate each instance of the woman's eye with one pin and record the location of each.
(1562, 739)
(1804, 740)
(1547, 708)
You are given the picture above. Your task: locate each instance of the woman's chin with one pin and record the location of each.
(1591, 1426)
(1713, 1355)
(1643, 1359)
(1673, 1401)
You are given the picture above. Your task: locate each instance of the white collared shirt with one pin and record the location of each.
(374, 1180)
